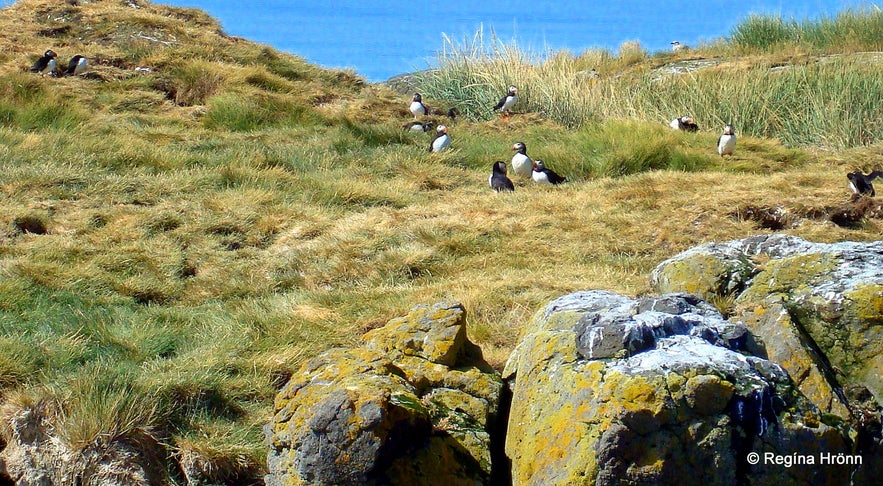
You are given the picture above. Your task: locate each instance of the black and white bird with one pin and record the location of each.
(76, 66)
(521, 163)
(442, 140)
(544, 175)
(861, 184)
(418, 127)
(498, 179)
(726, 144)
(417, 107)
(506, 102)
(677, 46)
(684, 123)
(46, 64)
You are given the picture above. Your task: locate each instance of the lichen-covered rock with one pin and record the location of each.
(434, 333)
(413, 407)
(688, 402)
(832, 295)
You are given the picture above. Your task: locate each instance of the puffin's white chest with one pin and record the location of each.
(675, 124)
(522, 165)
(441, 143)
(541, 177)
(509, 103)
(81, 66)
(50, 67)
(417, 108)
(726, 145)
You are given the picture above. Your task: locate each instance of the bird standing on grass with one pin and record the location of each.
(861, 184)
(442, 140)
(544, 175)
(677, 46)
(522, 165)
(76, 66)
(46, 64)
(417, 107)
(498, 180)
(726, 144)
(506, 102)
(684, 123)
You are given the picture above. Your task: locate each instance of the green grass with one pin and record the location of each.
(821, 100)
(175, 244)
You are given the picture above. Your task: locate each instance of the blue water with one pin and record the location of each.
(381, 39)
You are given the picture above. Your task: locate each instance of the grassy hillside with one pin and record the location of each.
(176, 241)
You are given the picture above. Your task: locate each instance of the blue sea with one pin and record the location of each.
(382, 39)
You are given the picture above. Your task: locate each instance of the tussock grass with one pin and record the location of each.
(849, 30)
(825, 100)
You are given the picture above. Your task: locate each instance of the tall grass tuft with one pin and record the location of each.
(835, 102)
(849, 30)
(100, 406)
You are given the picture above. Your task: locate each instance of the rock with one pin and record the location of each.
(817, 309)
(34, 456)
(633, 327)
(811, 304)
(414, 406)
(683, 403)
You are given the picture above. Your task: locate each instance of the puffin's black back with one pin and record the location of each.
(499, 181)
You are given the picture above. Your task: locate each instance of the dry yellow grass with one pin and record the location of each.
(210, 225)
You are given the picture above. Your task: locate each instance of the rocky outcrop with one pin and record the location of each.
(605, 389)
(816, 309)
(611, 390)
(415, 405)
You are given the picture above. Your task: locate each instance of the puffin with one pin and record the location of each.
(418, 127)
(506, 102)
(522, 165)
(685, 123)
(726, 144)
(442, 140)
(76, 66)
(861, 184)
(677, 46)
(417, 107)
(498, 180)
(544, 175)
(46, 64)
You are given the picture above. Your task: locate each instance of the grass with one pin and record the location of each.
(176, 243)
(809, 84)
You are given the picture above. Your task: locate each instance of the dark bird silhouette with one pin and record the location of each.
(76, 66)
(544, 175)
(46, 64)
(417, 107)
(498, 179)
(861, 184)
